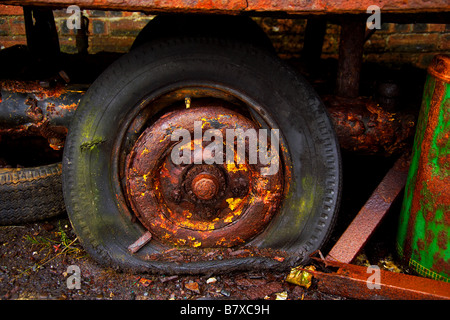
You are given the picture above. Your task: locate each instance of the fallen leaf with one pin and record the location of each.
(145, 282)
(300, 276)
(193, 286)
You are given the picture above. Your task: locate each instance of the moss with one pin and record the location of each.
(87, 146)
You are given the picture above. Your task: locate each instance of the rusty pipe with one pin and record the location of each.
(364, 127)
(26, 108)
(361, 125)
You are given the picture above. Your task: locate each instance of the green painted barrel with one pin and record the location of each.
(423, 239)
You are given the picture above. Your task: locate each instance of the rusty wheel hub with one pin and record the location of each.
(199, 204)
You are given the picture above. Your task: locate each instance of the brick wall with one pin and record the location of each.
(115, 31)
(415, 44)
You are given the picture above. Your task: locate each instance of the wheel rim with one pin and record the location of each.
(205, 203)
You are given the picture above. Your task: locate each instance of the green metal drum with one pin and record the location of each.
(423, 239)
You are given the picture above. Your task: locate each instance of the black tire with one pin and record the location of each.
(93, 199)
(233, 28)
(30, 194)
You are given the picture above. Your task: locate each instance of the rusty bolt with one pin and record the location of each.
(205, 186)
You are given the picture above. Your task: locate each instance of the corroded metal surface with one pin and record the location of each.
(139, 243)
(351, 43)
(363, 126)
(199, 203)
(236, 6)
(26, 108)
(424, 228)
(353, 281)
(371, 214)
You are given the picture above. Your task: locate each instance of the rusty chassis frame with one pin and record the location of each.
(318, 7)
(349, 280)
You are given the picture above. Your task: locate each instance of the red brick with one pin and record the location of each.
(10, 10)
(98, 26)
(127, 27)
(127, 13)
(403, 27)
(424, 42)
(96, 13)
(431, 27)
(17, 25)
(61, 13)
(435, 27)
(386, 28)
(67, 41)
(110, 44)
(4, 26)
(114, 14)
(12, 41)
(376, 43)
(444, 42)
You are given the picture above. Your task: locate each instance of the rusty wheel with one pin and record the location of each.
(195, 155)
(205, 202)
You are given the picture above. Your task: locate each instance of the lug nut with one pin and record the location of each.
(240, 188)
(177, 195)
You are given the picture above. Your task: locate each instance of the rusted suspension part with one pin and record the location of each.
(351, 44)
(361, 125)
(26, 108)
(199, 204)
(364, 127)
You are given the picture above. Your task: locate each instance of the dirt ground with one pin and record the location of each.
(34, 259)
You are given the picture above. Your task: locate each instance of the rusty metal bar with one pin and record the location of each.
(351, 44)
(26, 108)
(352, 281)
(371, 214)
(237, 6)
(141, 242)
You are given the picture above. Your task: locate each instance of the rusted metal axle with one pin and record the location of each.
(26, 108)
(362, 126)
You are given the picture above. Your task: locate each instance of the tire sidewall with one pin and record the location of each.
(309, 208)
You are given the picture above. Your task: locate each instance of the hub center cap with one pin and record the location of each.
(205, 186)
